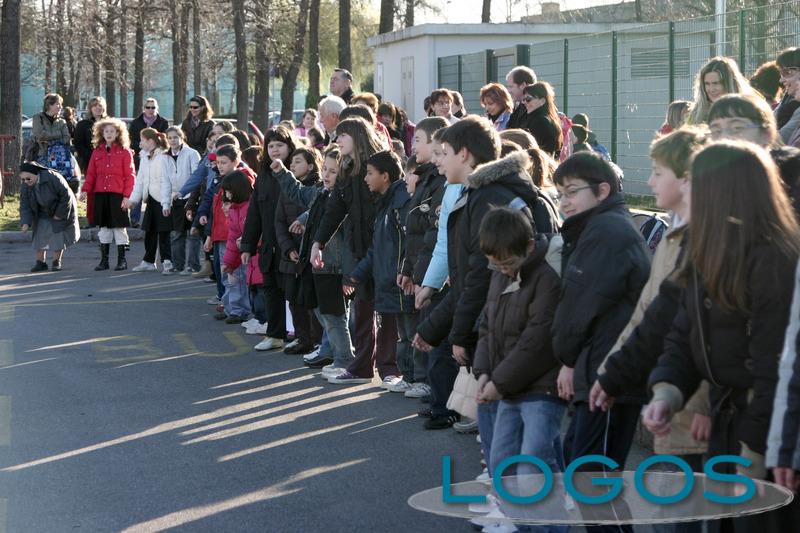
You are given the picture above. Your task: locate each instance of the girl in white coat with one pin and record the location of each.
(149, 189)
(179, 163)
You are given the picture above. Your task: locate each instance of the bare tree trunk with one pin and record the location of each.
(111, 86)
(261, 96)
(312, 96)
(61, 76)
(345, 58)
(178, 13)
(48, 42)
(123, 60)
(96, 51)
(290, 77)
(73, 91)
(197, 51)
(10, 93)
(486, 12)
(138, 61)
(242, 84)
(410, 4)
(387, 16)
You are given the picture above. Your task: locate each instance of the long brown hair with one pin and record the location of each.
(203, 102)
(738, 201)
(365, 143)
(542, 89)
(153, 135)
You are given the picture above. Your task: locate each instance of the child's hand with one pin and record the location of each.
(421, 344)
(294, 257)
(224, 269)
(245, 258)
(423, 297)
(25, 228)
(194, 232)
(189, 215)
(348, 290)
(407, 284)
(166, 212)
(239, 243)
(207, 245)
(297, 228)
(277, 166)
(566, 387)
(489, 393)
(599, 398)
(203, 220)
(656, 417)
(82, 197)
(460, 355)
(316, 256)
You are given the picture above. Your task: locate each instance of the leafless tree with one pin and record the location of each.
(290, 75)
(345, 59)
(312, 96)
(10, 90)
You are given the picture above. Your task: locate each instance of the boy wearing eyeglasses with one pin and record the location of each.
(605, 264)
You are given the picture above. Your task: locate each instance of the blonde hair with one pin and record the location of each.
(730, 77)
(123, 139)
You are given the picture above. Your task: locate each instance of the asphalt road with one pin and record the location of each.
(125, 407)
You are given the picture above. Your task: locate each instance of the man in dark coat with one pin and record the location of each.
(516, 80)
(148, 119)
(341, 84)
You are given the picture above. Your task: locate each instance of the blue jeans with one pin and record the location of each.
(325, 348)
(219, 251)
(178, 240)
(413, 363)
(257, 303)
(338, 334)
(531, 426)
(487, 413)
(237, 302)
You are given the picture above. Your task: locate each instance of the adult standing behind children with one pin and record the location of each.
(149, 118)
(198, 123)
(516, 80)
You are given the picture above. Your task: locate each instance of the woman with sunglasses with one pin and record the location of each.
(48, 207)
(197, 124)
(541, 119)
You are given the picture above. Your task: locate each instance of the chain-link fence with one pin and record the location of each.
(624, 80)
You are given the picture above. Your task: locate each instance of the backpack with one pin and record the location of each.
(652, 229)
(59, 158)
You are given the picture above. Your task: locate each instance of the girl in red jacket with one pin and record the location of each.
(236, 190)
(110, 177)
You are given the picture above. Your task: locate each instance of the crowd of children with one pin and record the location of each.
(492, 248)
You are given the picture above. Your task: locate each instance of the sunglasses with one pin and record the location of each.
(150, 107)
(789, 71)
(26, 180)
(528, 99)
(194, 107)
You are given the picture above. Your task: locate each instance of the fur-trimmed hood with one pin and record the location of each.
(514, 165)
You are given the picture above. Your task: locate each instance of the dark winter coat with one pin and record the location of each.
(422, 223)
(515, 347)
(350, 197)
(82, 141)
(517, 118)
(383, 260)
(546, 132)
(737, 352)
(260, 224)
(606, 264)
(135, 129)
(59, 200)
(504, 182)
(285, 215)
(196, 137)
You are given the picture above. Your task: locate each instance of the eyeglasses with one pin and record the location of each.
(734, 131)
(787, 72)
(150, 107)
(570, 194)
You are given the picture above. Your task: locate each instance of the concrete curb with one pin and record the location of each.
(88, 235)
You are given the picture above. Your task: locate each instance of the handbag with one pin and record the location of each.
(464, 398)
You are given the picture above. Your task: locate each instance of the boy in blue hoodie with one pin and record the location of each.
(384, 258)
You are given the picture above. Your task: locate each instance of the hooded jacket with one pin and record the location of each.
(422, 223)
(605, 265)
(383, 260)
(515, 349)
(504, 182)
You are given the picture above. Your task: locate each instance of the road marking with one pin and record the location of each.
(239, 343)
(28, 363)
(5, 420)
(142, 344)
(76, 343)
(6, 352)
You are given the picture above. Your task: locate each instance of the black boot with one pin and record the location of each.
(104, 248)
(122, 264)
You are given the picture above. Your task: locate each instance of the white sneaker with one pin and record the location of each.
(258, 329)
(144, 266)
(250, 323)
(268, 344)
(483, 477)
(292, 344)
(310, 356)
(331, 371)
(166, 267)
(388, 381)
(214, 301)
(399, 386)
(418, 390)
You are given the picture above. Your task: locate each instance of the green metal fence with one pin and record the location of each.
(624, 80)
